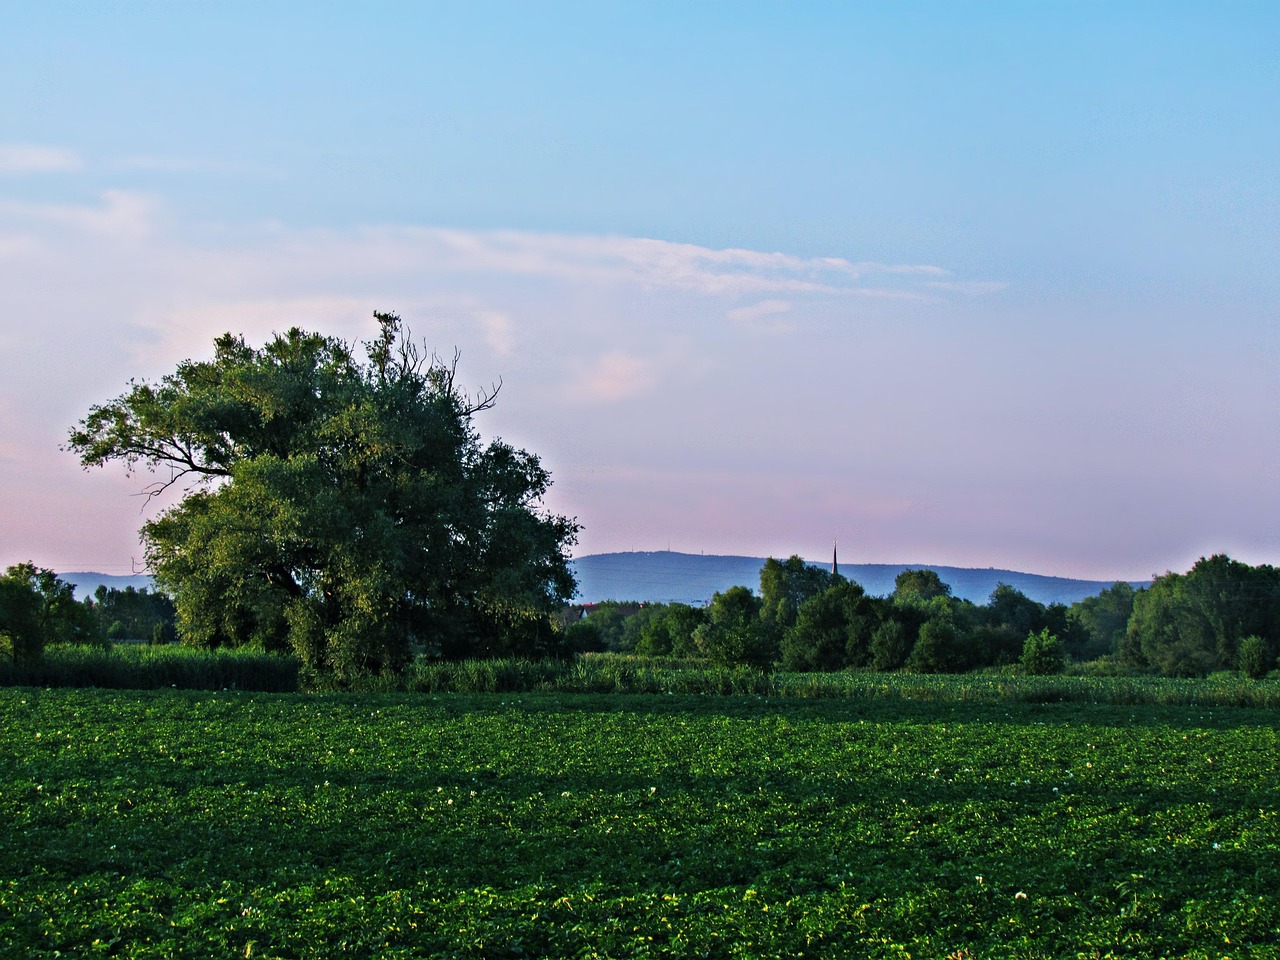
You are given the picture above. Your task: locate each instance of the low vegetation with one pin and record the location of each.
(168, 824)
(184, 668)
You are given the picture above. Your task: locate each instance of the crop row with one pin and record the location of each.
(230, 824)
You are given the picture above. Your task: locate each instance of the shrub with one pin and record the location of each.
(1255, 657)
(1042, 654)
(937, 649)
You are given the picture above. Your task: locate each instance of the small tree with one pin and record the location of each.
(733, 632)
(20, 635)
(1043, 654)
(937, 649)
(1255, 657)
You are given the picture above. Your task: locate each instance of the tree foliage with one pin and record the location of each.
(1104, 619)
(919, 586)
(785, 585)
(833, 630)
(134, 614)
(1191, 624)
(20, 636)
(38, 608)
(670, 631)
(1043, 654)
(734, 632)
(938, 648)
(344, 508)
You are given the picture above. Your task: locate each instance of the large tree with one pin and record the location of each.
(344, 507)
(832, 630)
(785, 585)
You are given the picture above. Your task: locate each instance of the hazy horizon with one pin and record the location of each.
(989, 285)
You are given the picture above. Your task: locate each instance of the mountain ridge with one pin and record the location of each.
(665, 576)
(87, 582)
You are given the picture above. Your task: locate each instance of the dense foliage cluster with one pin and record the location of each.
(1193, 623)
(135, 615)
(346, 510)
(1221, 615)
(38, 608)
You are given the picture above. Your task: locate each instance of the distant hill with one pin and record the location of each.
(87, 583)
(665, 577)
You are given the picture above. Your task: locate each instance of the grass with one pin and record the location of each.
(183, 824)
(143, 667)
(149, 668)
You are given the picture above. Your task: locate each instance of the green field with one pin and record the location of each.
(166, 824)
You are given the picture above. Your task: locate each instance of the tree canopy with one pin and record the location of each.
(1189, 624)
(37, 608)
(345, 508)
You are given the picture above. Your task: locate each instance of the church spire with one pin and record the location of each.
(835, 566)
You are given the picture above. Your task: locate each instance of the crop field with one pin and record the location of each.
(200, 824)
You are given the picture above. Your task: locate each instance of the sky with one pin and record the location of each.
(976, 284)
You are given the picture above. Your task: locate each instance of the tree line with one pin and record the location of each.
(38, 608)
(1220, 615)
(344, 508)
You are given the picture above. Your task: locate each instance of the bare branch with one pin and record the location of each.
(484, 399)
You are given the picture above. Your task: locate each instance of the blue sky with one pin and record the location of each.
(983, 284)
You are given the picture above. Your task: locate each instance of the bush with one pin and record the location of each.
(937, 648)
(1043, 654)
(1255, 657)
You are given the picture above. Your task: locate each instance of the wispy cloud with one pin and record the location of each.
(609, 317)
(654, 263)
(371, 255)
(28, 158)
(121, 215)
